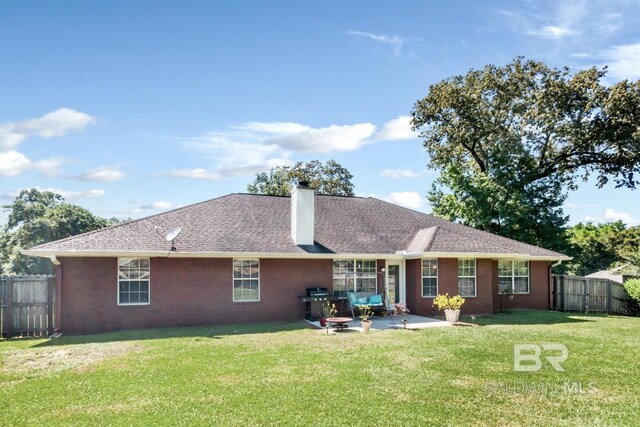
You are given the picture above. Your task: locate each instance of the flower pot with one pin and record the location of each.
(452, 315)
(510, 297)
(366, 325)
(323, 322)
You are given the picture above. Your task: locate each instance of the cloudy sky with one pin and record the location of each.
(132, 108)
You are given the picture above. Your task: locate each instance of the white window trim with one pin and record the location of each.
(233, 280)
(429, 277)
(128, 304)
(513, 276)
(475, 277)
(353, 273)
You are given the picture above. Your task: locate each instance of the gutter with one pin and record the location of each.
(399, 255)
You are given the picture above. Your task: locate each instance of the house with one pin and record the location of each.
(247, 258)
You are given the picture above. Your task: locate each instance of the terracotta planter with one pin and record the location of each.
(323, 322)
(452, 315)
(366, 325)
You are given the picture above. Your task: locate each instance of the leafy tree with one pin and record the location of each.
(37, 217)
(602, 247)
(330, 178)
(632, 286)
(511, 141)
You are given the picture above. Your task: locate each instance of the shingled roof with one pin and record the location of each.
(257, 224)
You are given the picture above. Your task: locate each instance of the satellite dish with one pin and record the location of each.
(173, 233)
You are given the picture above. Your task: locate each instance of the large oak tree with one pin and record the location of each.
(37, 217)
(511, 141)
(329, 178)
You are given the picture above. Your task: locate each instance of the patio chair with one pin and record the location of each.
(356, 301)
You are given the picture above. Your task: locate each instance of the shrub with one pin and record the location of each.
(445, 302)
(632, 286)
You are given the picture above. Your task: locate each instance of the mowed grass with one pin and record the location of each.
(288, 374)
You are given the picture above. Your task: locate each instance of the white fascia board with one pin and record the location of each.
(490, 255)
(294, 255)
(178, 254)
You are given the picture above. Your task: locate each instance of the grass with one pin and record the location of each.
(287, 374)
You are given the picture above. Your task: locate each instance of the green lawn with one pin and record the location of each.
(275, 374)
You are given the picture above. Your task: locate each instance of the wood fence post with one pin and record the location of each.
(50, 289)
(9, 307)
(609, 296)
(562, 293)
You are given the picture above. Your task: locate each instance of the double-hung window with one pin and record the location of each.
(429, 278)
(246, 280)
(513, 276)
(354, 275)
(467, 277)
(133, 281)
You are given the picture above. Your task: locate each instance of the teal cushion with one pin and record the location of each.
(375, 299)
(352, 298)
(362, 300)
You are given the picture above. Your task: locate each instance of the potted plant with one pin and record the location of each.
(450, 305)
(328, 310)
(365, 314)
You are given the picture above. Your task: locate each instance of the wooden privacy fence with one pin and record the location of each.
(26, 305)
(592, 295)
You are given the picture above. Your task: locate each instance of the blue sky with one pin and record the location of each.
(132, 108)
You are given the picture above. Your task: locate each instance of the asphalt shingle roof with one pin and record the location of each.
(239, 223)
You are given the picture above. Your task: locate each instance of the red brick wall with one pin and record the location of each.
(538, 298)
(487, 300)
(184, 292)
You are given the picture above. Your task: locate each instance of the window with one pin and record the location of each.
(429, 278)
(246, 280)
(354, 275)
(133, 281)
(513, 276)
(467, 277)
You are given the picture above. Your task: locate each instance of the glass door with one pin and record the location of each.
(393, 284)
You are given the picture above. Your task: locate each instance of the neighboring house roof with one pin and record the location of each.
(613, 275)
(258, 224)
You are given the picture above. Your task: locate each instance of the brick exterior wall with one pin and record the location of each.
(184, 292)
(187, 291)
(487, 300)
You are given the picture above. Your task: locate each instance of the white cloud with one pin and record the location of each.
(158, 205)
(612, 215)
(396, 130)
(408, 199)
(197, 173)
(50, 166)
(553, 32)
(254, 147)
(329, 139)
(73, 195)
(102, 174)
(54, 124)
(13, 163)
(67, 194)
(623, 61)
(400, 173)
(396, 41)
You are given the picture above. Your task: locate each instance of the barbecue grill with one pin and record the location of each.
(314, 299)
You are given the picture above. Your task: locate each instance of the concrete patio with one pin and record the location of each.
(391, 322)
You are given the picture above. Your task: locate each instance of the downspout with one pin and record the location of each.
(57, 323)
(552, 296)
